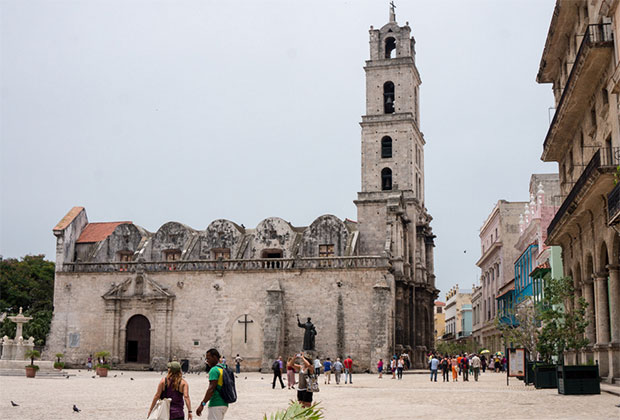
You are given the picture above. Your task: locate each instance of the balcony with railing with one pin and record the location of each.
(594, 53)
(613, 206)
(605, 160)
(264, 264)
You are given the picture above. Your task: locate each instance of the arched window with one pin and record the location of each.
(388, 97)
(390, 48)
(386, 179)
(386, 147)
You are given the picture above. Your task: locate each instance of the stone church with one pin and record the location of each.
(149, 297)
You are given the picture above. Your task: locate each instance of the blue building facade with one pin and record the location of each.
(525, 284)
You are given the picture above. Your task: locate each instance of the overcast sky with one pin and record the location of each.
(189, 111)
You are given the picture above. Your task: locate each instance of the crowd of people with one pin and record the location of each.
(463, 365)
(302, 374)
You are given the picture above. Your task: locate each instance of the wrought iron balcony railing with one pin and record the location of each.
(613, 205)
(597, 36)
(230, 265)
(603, 158)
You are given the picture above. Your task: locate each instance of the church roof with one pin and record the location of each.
(66, 221)
(97, 232)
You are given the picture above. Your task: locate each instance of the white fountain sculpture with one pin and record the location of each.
(15, 349)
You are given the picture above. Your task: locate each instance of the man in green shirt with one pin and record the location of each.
(217, 406)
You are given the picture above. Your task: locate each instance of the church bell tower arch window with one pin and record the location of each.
(386, 179)
(388, 98)
(386, 147)
(390, 48)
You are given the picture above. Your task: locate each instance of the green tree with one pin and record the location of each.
(27, 283)
(563, 325)
(521, 325)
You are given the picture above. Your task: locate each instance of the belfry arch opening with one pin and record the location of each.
(390, 48)
(388, 98)
(138, 340)
(386, 179)
(386, 147)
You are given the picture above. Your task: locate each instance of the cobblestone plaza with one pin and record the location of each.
(369, 398)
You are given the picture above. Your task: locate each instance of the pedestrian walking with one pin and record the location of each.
(399, 368)
(465, 367)
(327, 368)
(277, 372)
(475, 364)
(290, 373)
(89, 364)
(317, 366)
(348, 370)
(380, 368)
(455, 376)
(445, 371)
(393, 367)
(173, 386)
(434, 366)
(217, 407)
(238, 361)
(338, 368)
(483, 363)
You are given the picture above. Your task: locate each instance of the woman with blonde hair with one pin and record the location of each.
(173, 386)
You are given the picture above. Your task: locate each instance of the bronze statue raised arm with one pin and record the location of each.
(309, 334)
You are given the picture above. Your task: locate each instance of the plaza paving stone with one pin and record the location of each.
(369, 398)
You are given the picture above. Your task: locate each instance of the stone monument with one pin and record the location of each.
(14, 350)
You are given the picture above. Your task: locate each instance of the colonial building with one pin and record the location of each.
(536, 258)
(440, 320)
(498, 236)
(581, 61)
(536, 261)
(369, 286)
(458, 315)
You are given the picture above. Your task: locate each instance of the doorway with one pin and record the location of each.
(138, 340)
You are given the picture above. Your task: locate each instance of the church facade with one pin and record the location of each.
(150, 297)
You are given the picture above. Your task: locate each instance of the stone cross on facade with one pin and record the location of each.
(245, 323)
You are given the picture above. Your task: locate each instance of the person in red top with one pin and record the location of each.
(348, 369)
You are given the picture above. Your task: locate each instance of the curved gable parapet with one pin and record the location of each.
(172, 236)
(326, 230)
(273, 233)
(221, 238)
(126, 239)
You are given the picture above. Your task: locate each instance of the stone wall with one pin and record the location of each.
(203, 307)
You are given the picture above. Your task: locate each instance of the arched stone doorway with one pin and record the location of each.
(138, 341)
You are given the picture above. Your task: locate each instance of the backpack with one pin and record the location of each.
(228, 392)
(276, 365)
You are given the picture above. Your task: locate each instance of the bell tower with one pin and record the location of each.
(392, 144)
(392, 219)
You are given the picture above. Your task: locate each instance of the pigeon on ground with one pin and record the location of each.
(121, 373)
(75, 409)
(14, 404)
(246, 377)
(131, 379)
(115, 376)
(79, 370)
(93, 377)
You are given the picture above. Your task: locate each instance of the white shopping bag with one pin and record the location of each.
(161, 411)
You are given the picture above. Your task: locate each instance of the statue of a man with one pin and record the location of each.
(309, 334)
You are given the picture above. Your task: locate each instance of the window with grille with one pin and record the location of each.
(124, 256)
(326, 250)
(221, 253)
(170, 256)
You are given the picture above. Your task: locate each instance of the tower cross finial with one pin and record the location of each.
(392, 12)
